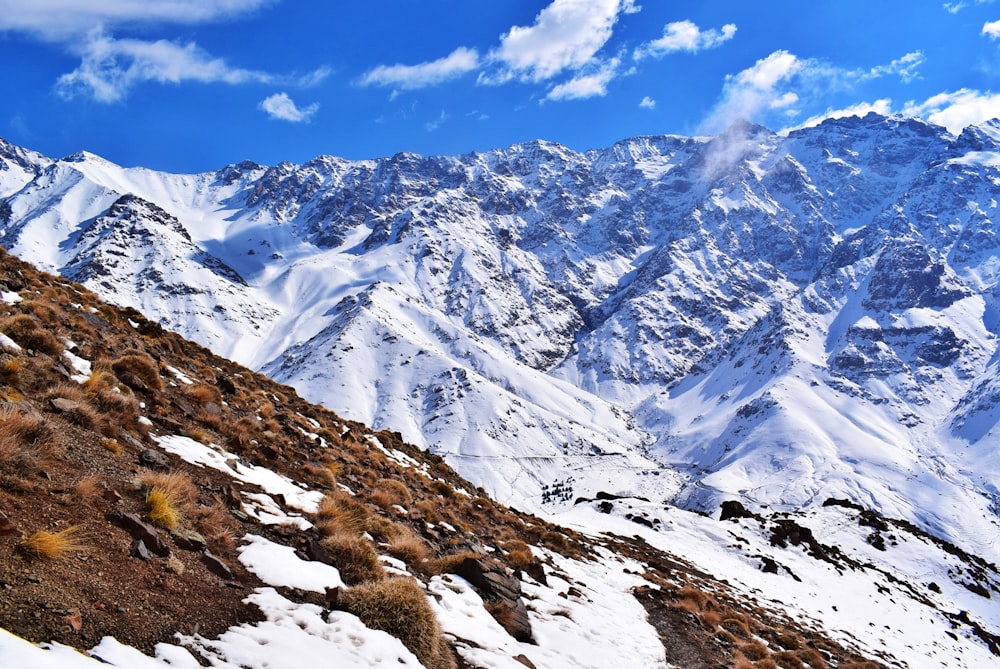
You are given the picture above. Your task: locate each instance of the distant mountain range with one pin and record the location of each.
(778, 319)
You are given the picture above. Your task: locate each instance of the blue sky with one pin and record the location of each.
(192, 85)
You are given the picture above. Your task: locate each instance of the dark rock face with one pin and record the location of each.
(141, 531)
(503, 591)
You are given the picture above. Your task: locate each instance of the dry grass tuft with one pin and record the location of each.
(449, 564)
(88, 488)
(787, 659)
(754, 650)
(339, 513)
(216, 525)
(204, 393)
(389, 492)
(408, 547)
(30, 334)
(812, 657)
(325, 472)
(400, 607)
(54, 545)
(140, 366)
(354, 557)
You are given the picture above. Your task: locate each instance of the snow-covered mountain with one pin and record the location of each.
(780, 319)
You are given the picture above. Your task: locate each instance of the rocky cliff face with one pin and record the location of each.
(778, 318)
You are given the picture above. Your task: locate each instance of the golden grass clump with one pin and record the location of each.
(30, 334)
(518, 555)
(140, 366)
(54, 545)
(168, 497)
(399, 607)
(161, 510)
(355, 558)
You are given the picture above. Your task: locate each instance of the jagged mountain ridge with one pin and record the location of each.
(782, 318)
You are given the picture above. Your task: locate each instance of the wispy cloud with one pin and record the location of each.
(956, 7)
(282, 108)
(685, 36)
(110, 67)
(905, 67)
(647, 103)
(437, 122)
(458, 62)
(62, 19)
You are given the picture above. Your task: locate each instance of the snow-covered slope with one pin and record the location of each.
(775, 318)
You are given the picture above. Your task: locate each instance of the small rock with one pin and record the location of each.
(63, 404)
(189, 540)
(525, 661)
(8, 528)
(216, 566)
(140, 530)
(111, 495)
(140, 551)
(153, 459)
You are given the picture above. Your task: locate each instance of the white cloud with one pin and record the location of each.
(648, 103)
(61, 19)
(457, 63)
(991, 29)
(685, 36)
(433, 125)
(566, 35)
(282, 108)
(745, 94)
(957, 109)
(585, 85)
(784, 82)
(953, 110)
(905, 67)
(110, 67)
(956, 7)
(786, 100)
(882, 106)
